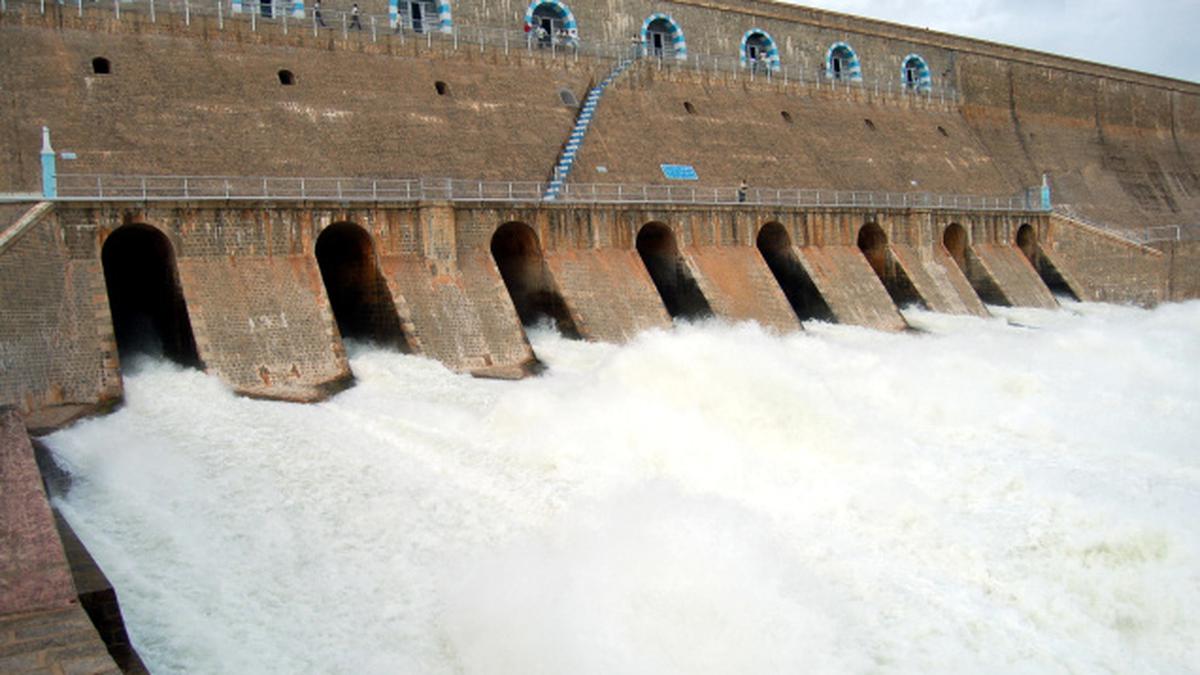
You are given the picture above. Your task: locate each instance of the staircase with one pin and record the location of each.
(567, 159)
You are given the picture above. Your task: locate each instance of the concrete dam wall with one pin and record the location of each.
(262, 292)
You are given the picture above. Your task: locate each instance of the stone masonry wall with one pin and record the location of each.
(56, 342)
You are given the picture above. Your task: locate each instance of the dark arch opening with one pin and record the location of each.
(1054, 280)
(149, 313)
(660, 37)
(101, 66)
(358, 293)
(534, 294)
(679, 291)
(873, 243)
(441, 87)
(1027, 242)
(287, 78)
(776, 248)
(787, 116)
(691, 109)
(954, 238)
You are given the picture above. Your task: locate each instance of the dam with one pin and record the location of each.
(255, 192)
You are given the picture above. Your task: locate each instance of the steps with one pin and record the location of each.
(567, 159)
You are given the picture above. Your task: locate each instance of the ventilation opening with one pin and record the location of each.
(530, 285)
(942, 130)
(1054, 280)
(149, 314)
(954, 239)
(691, 109)
(286, 78)
(358, 293)
(776, 248)
(679, 291)
(869, 124)
(101, 66)
(873, 243)
(568, 98)
(442, 88)
(787, 116)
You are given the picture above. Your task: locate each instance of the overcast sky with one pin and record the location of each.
(1161, 37)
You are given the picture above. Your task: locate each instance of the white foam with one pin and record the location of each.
(1003, 495)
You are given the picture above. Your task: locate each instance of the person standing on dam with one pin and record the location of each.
(741, 191)
(355, 21)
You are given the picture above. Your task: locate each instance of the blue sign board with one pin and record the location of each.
(679, 172)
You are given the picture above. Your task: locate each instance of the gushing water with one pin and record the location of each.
(1018, 494)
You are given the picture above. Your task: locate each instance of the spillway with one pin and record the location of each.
(1014, 493)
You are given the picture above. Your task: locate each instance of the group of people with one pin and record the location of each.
(355, 16)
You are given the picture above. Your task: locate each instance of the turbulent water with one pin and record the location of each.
(1016, 494)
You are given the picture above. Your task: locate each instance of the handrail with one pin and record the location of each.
(1147, 235)
(101, 187)
(283, 19)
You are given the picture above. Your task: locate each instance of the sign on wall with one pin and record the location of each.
(679, 172)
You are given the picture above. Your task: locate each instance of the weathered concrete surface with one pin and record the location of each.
(33, 570)
(509, 353)
(739, 286)
(1014, 276)
(446, 322)
(1107, 268)
(850, 287)
(263, 325)
(608, 291)
(55, 642)
(939, 281)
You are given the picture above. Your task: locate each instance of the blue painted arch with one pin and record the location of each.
(850, 68)
(772, 51)
(923, 81)
(563, 12)
(677, 42)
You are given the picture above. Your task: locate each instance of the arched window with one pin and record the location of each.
(914, 74)
(550, 22)
(424, 16)
(841, 63)
(759, 51)
(101, 66)
(663, 38)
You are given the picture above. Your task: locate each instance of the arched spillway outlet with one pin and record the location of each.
(873, 243)
(149, 313)
(358, 293)
(530, 284)
(775, 246)
(679, 291)
(955, 241)
(1027, 242)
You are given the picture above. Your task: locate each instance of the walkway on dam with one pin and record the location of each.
(96, 187)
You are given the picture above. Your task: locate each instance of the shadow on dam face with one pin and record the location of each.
(679, 291)
(358, 293)
(518, 255)
(149, 313)
(1054, 280)
(775, 246)
(873, 243)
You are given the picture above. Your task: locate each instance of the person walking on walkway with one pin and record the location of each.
(355, 21)
(742, 189)
(317, 18)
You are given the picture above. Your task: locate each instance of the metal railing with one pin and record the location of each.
(92, 187)
(281, 19)
(1150, 234)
